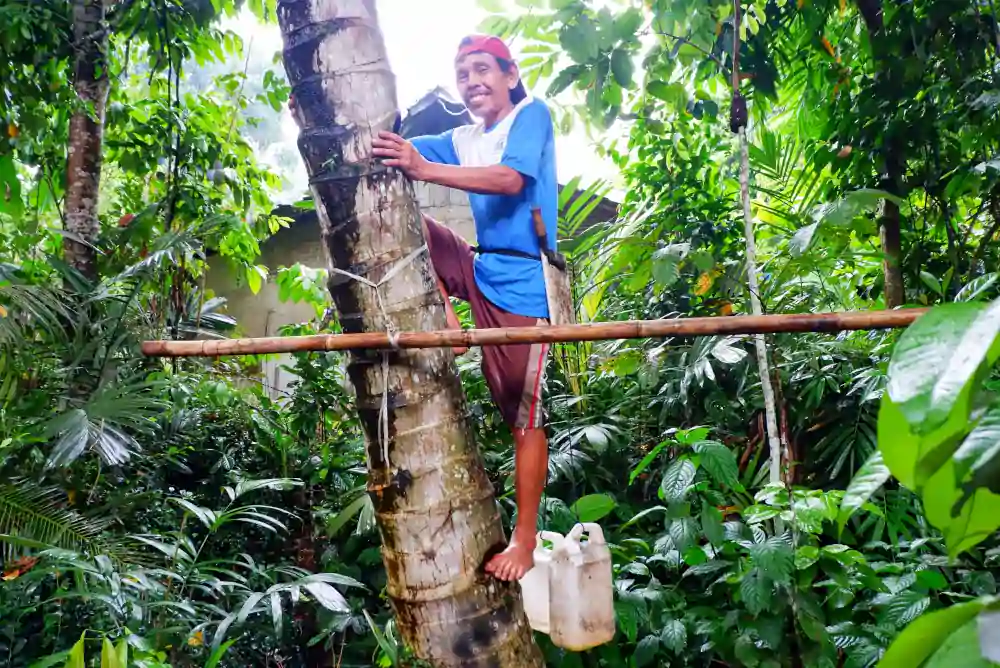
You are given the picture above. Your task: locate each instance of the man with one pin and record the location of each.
(506, 162)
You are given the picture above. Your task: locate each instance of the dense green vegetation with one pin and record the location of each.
(175, 513)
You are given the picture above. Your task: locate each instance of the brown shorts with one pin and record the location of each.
(515, 373)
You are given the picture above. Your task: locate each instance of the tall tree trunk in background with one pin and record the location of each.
(86, 132)
(435, 507)
(892, 250)
(890, 226)
(890, 230)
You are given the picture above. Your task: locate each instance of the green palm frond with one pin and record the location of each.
(166, 253)
(33, 516)
(29, 310)
(107, 421)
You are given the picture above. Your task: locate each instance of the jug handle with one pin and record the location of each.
(595, 534)
(551, 536)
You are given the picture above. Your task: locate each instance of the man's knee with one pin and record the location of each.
(530, 437)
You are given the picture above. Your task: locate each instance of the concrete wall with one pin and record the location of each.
(447, 206)
(264, 314)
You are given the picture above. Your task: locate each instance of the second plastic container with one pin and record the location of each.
(581, 590)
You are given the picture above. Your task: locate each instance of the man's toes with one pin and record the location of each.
(503, 569)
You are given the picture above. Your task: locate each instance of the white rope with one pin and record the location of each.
(391, 332)
(773, 440)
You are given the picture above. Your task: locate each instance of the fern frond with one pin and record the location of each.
(33, 516)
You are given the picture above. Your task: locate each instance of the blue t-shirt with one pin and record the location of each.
(523, 141)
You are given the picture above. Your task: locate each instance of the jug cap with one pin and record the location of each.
(571, 544)
(594, 533)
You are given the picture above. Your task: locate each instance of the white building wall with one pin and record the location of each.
(264, 314)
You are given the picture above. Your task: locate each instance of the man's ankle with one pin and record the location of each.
(524, 535)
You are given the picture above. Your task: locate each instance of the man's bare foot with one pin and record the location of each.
(514, 563)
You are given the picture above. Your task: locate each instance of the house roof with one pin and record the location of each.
(434, 113)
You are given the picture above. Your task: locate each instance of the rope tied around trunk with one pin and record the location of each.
(391, 332)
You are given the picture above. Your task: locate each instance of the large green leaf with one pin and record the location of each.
(961, 650)
(666, 263)
(806, 556)
(981, 449)
(674, 636)
(774, 558)
(112, 657)
(899, 446)
(933, 373)
(645, 651)
(594, 507)
(622, 67)
(843, 211)
(563, 80)
(580, 39)
(327, 596)
(683, 534)
(756, 590)
(677, 480)
(720, 462)
(925, 635)
(873, 474)
(646, 461)
(965, 514)
(673, 94)
(802, 239)
(630, 610)
(76, 654)
(628, 23)
(905, 607)
(711, 524)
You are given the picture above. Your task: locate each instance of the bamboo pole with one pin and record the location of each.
(604, 331)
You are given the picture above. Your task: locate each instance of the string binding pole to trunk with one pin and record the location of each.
(393, 336)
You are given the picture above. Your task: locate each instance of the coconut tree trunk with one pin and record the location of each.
(86, 131)
(435, 506)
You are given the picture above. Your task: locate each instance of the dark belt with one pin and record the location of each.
(555, 259)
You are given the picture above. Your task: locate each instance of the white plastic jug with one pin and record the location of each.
(535, 583)
(581, 591)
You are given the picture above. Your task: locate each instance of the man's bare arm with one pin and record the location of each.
(493, 180)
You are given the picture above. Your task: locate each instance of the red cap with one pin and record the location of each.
(486, 44)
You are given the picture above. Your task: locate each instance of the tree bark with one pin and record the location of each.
(435, 506)
(892, 252)
(86, 134)
(890, 233)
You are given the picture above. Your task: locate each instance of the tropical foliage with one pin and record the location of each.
(174, 514)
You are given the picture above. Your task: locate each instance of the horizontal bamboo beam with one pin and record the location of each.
(602, 331)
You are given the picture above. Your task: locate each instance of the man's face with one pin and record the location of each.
(484, 87)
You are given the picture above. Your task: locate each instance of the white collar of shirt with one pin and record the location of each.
(478, 147)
